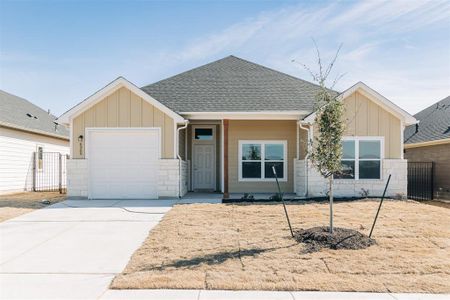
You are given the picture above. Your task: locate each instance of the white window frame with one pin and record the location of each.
(212, 140)
(357, 139)
(262, 161)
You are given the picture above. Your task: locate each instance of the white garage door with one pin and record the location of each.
(123, 163)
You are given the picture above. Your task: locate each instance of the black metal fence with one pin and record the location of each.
(420, 180)
(49, 174)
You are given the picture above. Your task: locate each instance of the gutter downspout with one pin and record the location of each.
(300, 125)
(186, 122)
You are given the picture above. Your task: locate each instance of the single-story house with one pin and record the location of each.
(429, 141)
(220, 128)
(26, 129)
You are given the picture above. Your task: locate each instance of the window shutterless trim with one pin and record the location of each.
(357, 139)
(262, 161)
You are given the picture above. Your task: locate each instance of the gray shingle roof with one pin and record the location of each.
(434, 124)
(20, 113)
(233, 84)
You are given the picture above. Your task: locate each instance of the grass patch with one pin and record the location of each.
(18, 204)
(248, 247)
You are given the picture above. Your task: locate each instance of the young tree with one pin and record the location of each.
(325, 151)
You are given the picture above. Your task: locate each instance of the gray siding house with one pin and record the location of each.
(429, 141)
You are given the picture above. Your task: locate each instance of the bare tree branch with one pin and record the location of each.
(335, 81)
(333, 61)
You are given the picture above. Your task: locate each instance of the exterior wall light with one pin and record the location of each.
(80, 140)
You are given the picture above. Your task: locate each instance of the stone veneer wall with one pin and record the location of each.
(318, 186)
(168, 179)
(184, 177)
(300, 177)
(77, 178)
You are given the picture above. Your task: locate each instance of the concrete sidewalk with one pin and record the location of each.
(260, 295)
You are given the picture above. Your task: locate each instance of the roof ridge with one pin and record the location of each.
(279, 72)
(243, 60)
(434, 104)
(187, 71)
(29, 102)
(434, 123)
(20, 113)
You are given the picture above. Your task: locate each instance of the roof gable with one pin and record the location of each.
(232, 84)
(110, 89)
(19, 113)
(376, 98)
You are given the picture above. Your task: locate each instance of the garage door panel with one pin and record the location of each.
(123, 164)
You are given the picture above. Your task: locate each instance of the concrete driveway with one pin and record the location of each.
(73, 249)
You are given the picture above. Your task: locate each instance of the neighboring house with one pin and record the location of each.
(220, 128)
(26, 129)
(429, 141)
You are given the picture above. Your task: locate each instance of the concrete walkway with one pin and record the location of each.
(260, 295)
(73, 249)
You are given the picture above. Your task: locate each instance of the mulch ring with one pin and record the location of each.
(316, 238)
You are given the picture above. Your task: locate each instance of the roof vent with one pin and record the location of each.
(31, 116)
(417, 127)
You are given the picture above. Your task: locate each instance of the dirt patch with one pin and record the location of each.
(249, 247)
(317, 238)
(443, 203)
(14, 205)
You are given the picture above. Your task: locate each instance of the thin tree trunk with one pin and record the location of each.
(331, 204)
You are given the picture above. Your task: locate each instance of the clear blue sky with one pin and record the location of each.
(56, 53)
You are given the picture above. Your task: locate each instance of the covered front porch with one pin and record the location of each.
(234, 157)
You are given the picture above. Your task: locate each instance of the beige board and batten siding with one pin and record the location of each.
(124, 108)
(363, 117)
(366, 118)
(260, 130)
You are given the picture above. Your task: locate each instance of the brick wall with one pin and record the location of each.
(440, 155)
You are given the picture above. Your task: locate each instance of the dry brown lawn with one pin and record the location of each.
(248, 247)
(18, 204)
(439, 203)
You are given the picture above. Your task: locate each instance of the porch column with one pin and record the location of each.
(225, 159)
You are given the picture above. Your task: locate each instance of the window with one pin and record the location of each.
(256, 159)
(348, 160)
(40, 157)
(361, 158)
(203, 134)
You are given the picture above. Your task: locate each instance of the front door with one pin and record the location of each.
(204, 167)
(203, 157)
